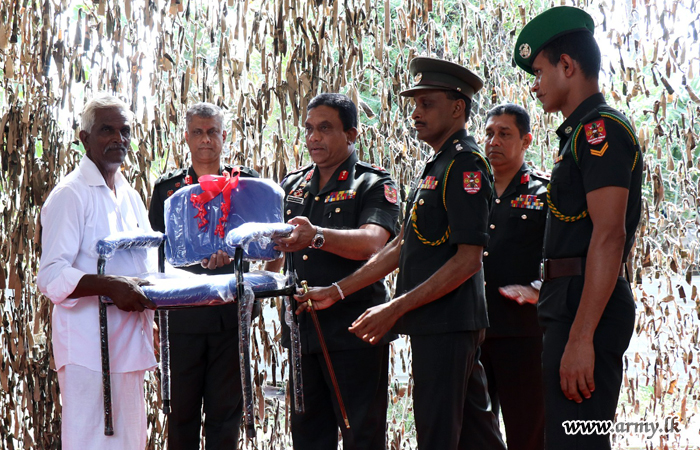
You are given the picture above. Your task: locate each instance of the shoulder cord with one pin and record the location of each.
(558, 214)
(414, 215)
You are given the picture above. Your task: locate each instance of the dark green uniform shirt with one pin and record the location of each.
(453, 194)
(597, 149)
(356, 194)
(516, 232)
(208, 319)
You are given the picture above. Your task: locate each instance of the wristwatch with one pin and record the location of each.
(318, 240)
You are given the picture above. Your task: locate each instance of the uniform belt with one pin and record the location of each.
(567, 267)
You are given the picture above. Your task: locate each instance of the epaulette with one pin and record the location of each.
(590, 118)
(301, 169)
(172, 174)
(372, 167)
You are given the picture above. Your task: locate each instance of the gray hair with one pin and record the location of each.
(101, 101)
(204, 110)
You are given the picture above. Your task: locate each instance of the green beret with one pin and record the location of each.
(546, 27)
(433, 73)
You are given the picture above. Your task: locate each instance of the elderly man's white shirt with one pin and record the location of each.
(81, 210)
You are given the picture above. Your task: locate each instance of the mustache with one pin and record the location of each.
(110, 147)
(418, 122)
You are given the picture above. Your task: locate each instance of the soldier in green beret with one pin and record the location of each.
(439, 301)
(586, 305)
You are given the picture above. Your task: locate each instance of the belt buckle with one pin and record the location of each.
(542, 269)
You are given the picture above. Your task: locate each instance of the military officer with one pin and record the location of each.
(439, 298)
(586, 305)
(345, 210)
(203, 341)
(512, 351)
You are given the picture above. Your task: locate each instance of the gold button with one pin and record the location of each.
(421, 201)
(524, 216)
(305, 257)
(401, 241)
(486, 253)
(492, 226)
(317, 198)
(289, 211)
(337, 210)
(498, 200)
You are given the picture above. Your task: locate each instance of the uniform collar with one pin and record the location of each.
(571, 122)
(93, 176)
(348, 164)
(517, 180)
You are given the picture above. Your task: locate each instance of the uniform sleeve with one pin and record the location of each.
(376, 207)
(63, 226)
(467, 197)
(606, 161)
(156, 211)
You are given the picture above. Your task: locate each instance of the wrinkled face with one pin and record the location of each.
(327, 142)
(205, 137)
(432, 116)
(549, 83)
(503, 145)
(107, 142)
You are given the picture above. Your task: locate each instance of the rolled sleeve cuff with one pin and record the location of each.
(468, 237)
(59, 289)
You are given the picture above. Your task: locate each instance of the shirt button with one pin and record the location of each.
(498, 200)
(317, 198)
(305, 257)
(337, 210)
(492, 226)
(486, 253)
(524, 216)
(421, 202)
(401, 241)
(289, 211)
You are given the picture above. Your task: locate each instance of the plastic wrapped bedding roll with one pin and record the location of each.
(170, 291)
(196, 230)
(128, 239)
(255, 239)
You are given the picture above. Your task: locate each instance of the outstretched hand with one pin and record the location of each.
(522, 294)
(300, 237)
(374, 323)
(321, 298)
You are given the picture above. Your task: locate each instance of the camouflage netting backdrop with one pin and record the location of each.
(263, 61)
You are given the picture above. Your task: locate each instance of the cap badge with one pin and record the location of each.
(418, 77)
(525, 51)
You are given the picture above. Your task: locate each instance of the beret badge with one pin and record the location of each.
(525, 51)
(418, 77)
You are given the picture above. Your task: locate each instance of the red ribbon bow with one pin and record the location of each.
(213, 185)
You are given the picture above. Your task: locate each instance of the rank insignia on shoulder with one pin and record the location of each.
(340, 196)
(428, 183)
(170, 192)
(595, 132)
(379, 167)
(188, 179)
(458, 147)
(343, 175)
(177, 185)
(527, 202)
(525, 178)
(472, 182)
(601, 151)
(390, 194)
(455, 141)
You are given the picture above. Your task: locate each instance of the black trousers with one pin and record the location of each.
(205, 369)
(450, 397)
(513, 368)
(612, 336)
(362, 376)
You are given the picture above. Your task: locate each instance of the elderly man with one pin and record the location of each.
(586, 306)
(203, 341)
(512, 351)
(439, 298)
(344, 210)
(92, 202)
